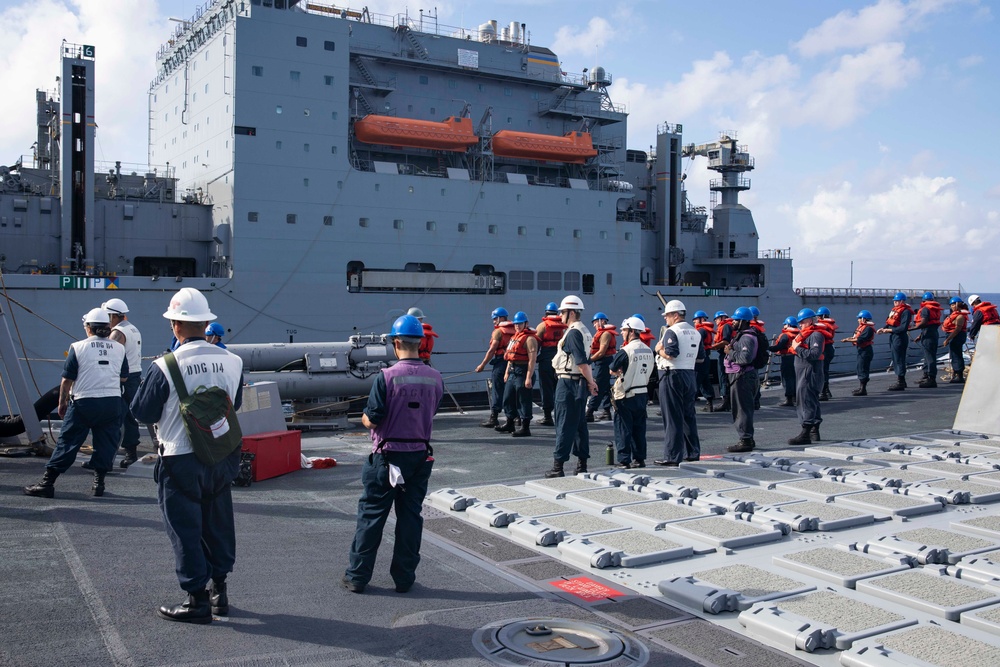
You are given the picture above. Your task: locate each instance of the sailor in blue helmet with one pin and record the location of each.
(503, 331)
(863, 338)
(956, 325)
(724, 331)
(603, 347)
(825, 319)
(897, 324)
(808, 347)
(741, 375)
(521, 353)
(703, 369)
(400, 412)
(927, 320)
(782, 348)
(214, 334)
(549, 331)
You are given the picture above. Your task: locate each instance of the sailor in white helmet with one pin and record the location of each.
(124, 332)
(195, 498)
(632, 365)
(677, 353)
(90, 402)
(574, 383)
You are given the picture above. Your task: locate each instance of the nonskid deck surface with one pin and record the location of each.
(82, 575)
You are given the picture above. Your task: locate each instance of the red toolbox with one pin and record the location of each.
(275, 453)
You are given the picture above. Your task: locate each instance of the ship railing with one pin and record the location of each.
(871, 293)
(586, 109)
(135, 169)
(669, 128)
(742, 183)
(775, 253)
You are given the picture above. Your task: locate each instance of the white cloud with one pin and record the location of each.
(970, 61)
(588, 41)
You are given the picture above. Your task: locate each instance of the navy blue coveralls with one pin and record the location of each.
(787, 362)
(865, 352)
(929, 338)
(742, 374)
(678, 388)
(570, 413)
(809, 378)
(899, 340)
(629, 419)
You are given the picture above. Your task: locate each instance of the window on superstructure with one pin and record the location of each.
(277, 109)
(206, 55)
(194, 97)
(305, 112)
(328, 80)
(604, 236)
(550, 231)
(572, 281)
(452, 83)
(609, 278)
(333, 115)
(328, 220)
(482, 87)
(549, 280)
(578, 233)
(535, 96)
(256, 70)
(507, 91)
(424, 80)
(397, 224)
(588, 283)
(290, 218)
(492, 229)
(463, 227)
(329, 46)
(509, 120)
(362, 222)
(305, 148)
(206, 88)
(252, 216)
(433, 111)
(305, 182)
(521, 280)
(333, 149)
(301, 41)
(294, 76)
(431, 225)
(522, 230)
(628, 236)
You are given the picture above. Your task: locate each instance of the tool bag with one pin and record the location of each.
(209, 418)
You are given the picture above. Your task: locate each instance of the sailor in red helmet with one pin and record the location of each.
(927, 319)
(955, 326)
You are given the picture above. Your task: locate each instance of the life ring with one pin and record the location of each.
(798, 291)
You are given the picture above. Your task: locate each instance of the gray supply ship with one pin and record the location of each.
(322, 169)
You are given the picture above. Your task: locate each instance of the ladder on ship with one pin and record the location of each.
(12, 370)
(418, 48)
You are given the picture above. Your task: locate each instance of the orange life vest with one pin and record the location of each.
(707, 332)
(860, 330)
(647, 337)
(506, 333)
(933, 315)
(721, 330)
(896, 315)
(595, 344)
(553, 331)
(758, 325)
(790, 333)
(427, 342)
(827, 322)
(989, 312)
(517, 348)
(810, 330)
(951, 322)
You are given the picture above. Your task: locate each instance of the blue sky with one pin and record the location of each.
(870, 122)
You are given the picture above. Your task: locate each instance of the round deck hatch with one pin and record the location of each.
(541, 642)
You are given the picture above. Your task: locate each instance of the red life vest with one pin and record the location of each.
(721, 330)
(517, 348)
(707, 332)
(989, 312)
(758, 325)
(810, 330)
(950, 322)
(933, 315)
(860, 330)
(427, 342)
(790, 333)
(506, 333)
(553, 331)
(595, 344)
(896, 315)
(827, 322)
(647, 337)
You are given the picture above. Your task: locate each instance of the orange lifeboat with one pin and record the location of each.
(451, 134)
(573, 147)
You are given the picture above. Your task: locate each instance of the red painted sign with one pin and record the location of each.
(586, 589)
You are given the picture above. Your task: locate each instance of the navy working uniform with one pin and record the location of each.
(522, 350)
(401, 408)
(782, 348)
(703, 369)
(127, 334)
(955, 326)
(677, 355)
(743, 388)
(549, 330)
(897, 324)
(927, 319)
(602, 350)
(809, 347)
(503, 331)
(863, 338)
(633, 364)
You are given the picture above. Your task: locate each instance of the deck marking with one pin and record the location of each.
(587, 589)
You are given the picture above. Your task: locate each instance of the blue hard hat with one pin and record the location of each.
(790, 321)
(407, 326)
(520, 317)
(755, 311)
(643, 319)
(928, 296)
(805, 314)
(823, 311)
(864, 314)
(900, 296)
(599, 316)
(552, 307)
(498, 312)
(215, 329)
(955, 299)
(743, 314)
(702, 314)
(720, 313)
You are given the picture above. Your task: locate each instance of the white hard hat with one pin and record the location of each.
(571, 302)
(974, 299)
(416, 312)
(116, 306)
(633, 323)
(675, 306)
(189, 305)
(97, 316)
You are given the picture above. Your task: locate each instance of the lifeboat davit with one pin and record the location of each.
(573, 147)
(451, 134)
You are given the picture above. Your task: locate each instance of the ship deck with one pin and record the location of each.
(82, 575)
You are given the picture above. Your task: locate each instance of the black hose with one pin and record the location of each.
(44, 406)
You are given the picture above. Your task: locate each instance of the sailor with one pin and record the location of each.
(782, 347)
(521, 353)
(400, 411)
(927, 319)
(825, 319)
(427, 344)
(896, 325)
(503, 330)
(677, 355)
(632, 365)
(90, 402)
(602, 349)
(723, 335)
(984, 313)
(757, 324)
(195, 498)
(703, 369)
(549, 331)
(214, 333)
(742, 377)
(647, 337)
(124, 332)
(574, 383)
(955, 326)
(809, 347)
(863, 338)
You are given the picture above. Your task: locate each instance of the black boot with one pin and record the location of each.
(789, 402)
(492, 422)
(219, 598)
(131, 456)
(196, 609)
(524, 431)
(45, 488)
(508, 427)
(744, 445)
(709, 407)
(803, 437)
(725, 407)
(547, 419)
(825, 395)
(557, 469)
(99, 483)
(605, 416)
(957, 378)
(581, 466)
(814, 432)
(928, 383)
(899, 386)
(590, 416)
(862, 390)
